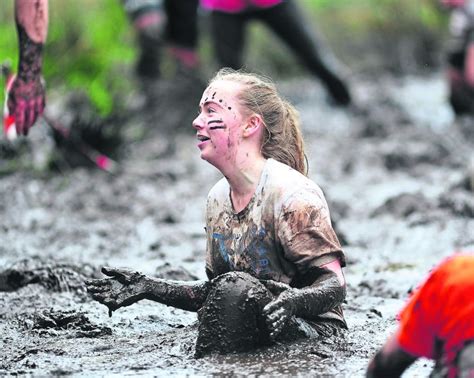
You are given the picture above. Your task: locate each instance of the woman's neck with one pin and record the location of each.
(243, 180)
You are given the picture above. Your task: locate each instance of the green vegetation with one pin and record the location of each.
(89, 47)
(91, 43)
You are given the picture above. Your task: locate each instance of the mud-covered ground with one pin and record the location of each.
(396, 175)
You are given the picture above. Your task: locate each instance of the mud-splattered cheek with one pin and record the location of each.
(232, 147)
(217, 127)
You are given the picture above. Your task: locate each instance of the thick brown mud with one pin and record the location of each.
(397, 178)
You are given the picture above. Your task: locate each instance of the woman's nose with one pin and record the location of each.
(198, 123)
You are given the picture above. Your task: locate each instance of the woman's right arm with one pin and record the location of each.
(125, 287)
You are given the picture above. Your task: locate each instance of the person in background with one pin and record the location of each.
(26, 92)
(460, 56)
(230, 17)
(160, 21)
(436, 323)
(273, 261)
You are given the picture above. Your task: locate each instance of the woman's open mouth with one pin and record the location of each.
(202, 138)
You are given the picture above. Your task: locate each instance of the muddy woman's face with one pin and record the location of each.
(218, 123)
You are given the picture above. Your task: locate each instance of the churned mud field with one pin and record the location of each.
(396, 173)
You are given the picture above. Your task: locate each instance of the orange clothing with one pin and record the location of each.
(439, 318)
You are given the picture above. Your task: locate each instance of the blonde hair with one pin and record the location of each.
(282, 139)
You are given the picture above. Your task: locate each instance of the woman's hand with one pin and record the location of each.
(275, 287)
(278, 312)
(327, 291)
(26, 102)
(123, 288)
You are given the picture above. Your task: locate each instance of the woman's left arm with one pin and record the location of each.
(327, 291)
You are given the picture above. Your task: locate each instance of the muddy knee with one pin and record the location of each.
(230, 319)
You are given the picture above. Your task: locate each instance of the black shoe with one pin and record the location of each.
(148, 67)
(339, 92)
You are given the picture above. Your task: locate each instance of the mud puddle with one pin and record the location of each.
(396, 181)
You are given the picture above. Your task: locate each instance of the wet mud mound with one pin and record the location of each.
(75, 324)
(176, 273)
(381, 116)
(412, 206)
(404, 205)
(460, 202)
(53, 275)
(413, 154)
(231, 318)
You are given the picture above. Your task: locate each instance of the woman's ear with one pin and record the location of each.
(253, 125)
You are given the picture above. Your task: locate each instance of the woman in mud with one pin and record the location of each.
(273, 259)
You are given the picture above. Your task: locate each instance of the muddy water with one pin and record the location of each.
(394, 172)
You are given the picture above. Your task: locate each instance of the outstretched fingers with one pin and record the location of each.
(106, 298)
(277, 322)
(276, 318)
(271, 307)
(100, 297)
(98, 286)
(122, 275)
(276, 288)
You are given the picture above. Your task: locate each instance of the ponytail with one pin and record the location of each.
(284, 142)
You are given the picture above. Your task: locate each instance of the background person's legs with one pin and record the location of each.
(182, 32)
(288, 23)
(149, 19)
(228, 36)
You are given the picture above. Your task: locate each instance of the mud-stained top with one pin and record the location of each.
(283, 232)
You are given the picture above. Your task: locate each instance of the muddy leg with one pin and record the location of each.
(149, 20)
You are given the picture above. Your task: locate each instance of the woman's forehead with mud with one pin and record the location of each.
(223, 93)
